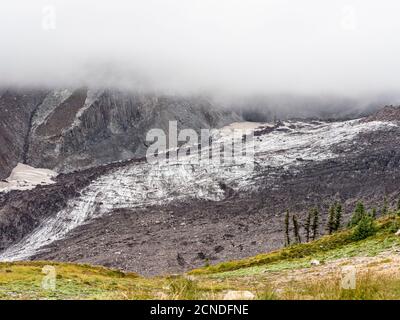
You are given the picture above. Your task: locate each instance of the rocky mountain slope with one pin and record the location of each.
(167, 218)
(72, 129)
(16, 109)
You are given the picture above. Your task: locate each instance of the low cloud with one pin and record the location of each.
(310, 47)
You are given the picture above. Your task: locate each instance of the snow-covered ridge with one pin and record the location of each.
(310, 141)
(144, 184)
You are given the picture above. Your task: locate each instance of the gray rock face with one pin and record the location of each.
(299, 165)
(69, 130)
(244, 224)
(16, 108)
(388, 113)
(182, 218)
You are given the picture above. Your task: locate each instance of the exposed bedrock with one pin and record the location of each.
(180, 236)
(173, 224)
(74, 129)
(91, 128)
(16, 109)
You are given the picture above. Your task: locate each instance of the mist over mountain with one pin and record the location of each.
(269, 108)
(340, 48)
(78, 76)
(264, 60)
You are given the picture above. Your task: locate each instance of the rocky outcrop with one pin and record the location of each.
(388, 113)
(245, 224)
(73, 129)
(90, 128)
(23, 211)
(16, 109)
(130, 214)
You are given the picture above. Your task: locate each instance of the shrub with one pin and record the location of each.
(358, 214)
(394, 226)
(365, 228)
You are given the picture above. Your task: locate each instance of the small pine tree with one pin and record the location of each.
(373, 213)
(330, 226)
(315, 223)
(307, 225)
(358, 214)
(287, 235)
(385, 208)
(338, 216)
(398, 205)
(296, 231)
(365, 228)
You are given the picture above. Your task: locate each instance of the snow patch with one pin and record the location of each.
(49, 104)
(143, 184)
(24, 177)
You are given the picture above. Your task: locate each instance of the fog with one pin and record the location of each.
(242, 47)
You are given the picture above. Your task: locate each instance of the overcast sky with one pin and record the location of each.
(240, 46)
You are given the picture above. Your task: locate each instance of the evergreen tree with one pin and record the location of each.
(385, 208)
(398, 205)
(307, 226)
(296, 231)
(330, 226)
(373, 213)
(358, 214)
(315, 223)
(338, 216)
(287, 235)
(365, 227)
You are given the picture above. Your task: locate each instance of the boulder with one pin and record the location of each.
(315, 262)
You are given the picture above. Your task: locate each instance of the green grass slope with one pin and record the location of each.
(282, 274)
